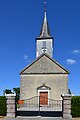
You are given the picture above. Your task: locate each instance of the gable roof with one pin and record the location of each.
(44, 64)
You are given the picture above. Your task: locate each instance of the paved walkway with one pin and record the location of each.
(35, 118)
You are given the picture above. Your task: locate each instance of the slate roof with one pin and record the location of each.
(45, 31)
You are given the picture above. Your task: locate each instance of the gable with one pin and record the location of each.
(44, 65)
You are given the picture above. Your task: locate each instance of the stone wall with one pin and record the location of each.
(29, 84)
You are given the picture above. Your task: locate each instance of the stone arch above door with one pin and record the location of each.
(43, 87)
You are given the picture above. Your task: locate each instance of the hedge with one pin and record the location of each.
(75, 106)
(2, 105)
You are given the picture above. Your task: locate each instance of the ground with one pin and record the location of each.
(34, 118)
(76, 119)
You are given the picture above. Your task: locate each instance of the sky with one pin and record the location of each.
(20, 24)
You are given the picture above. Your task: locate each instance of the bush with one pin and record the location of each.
(2, 105)
(75, 106)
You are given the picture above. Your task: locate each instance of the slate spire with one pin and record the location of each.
(45, 31)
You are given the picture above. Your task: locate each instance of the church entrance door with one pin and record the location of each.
(43, 98)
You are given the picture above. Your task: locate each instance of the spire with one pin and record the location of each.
(45, 31)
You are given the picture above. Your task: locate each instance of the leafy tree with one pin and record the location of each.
(69, 91)
(7, 91)
(17, 92)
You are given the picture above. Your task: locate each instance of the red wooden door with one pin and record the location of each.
(43, 98)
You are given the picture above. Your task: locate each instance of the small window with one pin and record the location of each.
(44, 44)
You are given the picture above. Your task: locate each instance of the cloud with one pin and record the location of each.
(76, 51)
(26, 58)
(71, 61)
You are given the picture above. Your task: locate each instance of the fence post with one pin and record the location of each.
(11, 105)
(66, 106)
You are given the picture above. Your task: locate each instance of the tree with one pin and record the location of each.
(69, 91)
(17, 92)
(7, 91)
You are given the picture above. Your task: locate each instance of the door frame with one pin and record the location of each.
(48, 91)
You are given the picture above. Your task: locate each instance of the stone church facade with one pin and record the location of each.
(44, 76)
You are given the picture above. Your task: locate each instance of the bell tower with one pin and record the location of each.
(44, 43)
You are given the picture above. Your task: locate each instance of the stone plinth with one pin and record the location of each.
(11, 107)
(66, 106)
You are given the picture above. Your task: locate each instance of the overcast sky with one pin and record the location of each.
(20, 23)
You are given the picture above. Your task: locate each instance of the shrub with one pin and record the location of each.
(75, 106)
(2, 105)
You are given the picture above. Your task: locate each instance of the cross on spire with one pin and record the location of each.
(45, 6)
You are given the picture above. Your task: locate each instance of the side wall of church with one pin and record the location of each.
(57, 82)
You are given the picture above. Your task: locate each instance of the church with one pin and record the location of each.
(44, 77)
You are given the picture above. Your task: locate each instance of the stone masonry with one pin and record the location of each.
(11, 107)
(66, 106)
